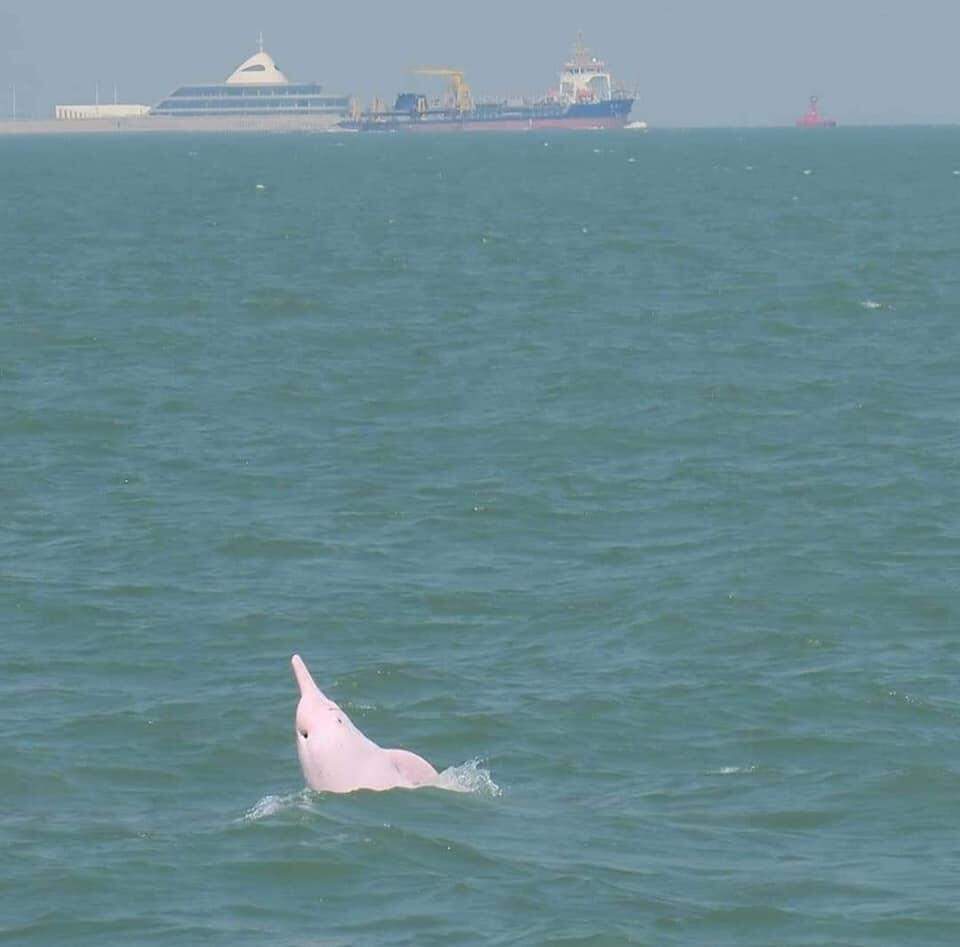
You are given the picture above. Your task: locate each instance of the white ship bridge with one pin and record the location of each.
(585, 78)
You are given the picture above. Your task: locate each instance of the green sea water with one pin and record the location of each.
(619, 475)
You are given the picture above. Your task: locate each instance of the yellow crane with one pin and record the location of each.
(460, 93)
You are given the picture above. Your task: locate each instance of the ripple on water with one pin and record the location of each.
(665, 530)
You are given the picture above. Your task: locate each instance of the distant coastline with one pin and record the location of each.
(154, 123)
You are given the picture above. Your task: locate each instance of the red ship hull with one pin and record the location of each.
(527, 125)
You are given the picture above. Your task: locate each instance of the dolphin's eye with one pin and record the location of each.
(304, 734)
(339, 719)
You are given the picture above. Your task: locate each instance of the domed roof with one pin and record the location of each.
(259, 69)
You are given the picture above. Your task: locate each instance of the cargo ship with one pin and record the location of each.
(813, 119)
(586, 98)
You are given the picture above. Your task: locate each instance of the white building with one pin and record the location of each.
(69, 113)
(256, 88)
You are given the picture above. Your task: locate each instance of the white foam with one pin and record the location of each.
(733, 770)
(871, 304)
(271, 805)
(469, 777)
(807, 171)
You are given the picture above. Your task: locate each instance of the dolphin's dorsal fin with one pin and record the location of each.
(412, 767)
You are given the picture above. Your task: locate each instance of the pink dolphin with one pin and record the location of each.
(336, 757)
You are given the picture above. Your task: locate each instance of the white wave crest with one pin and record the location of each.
(469, 777)
(733, 770)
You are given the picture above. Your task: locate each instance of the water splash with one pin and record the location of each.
(272, 805)
(469, 777)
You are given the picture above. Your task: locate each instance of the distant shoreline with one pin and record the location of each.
(153, 124)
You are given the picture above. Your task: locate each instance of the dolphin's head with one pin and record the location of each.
(315, 707)
(324, 732)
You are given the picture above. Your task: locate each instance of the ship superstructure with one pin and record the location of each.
(587, 97)
(585, 78)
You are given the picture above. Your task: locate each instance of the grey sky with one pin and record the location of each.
(696, 62)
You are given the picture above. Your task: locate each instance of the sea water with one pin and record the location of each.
(617, 475)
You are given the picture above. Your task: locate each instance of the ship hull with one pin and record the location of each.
(496, 118)
(516, 125)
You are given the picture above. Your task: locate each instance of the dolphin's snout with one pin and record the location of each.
(304, 680)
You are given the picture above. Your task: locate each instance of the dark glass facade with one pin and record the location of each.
(223, 99)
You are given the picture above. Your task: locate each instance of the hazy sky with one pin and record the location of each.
(696, 62)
